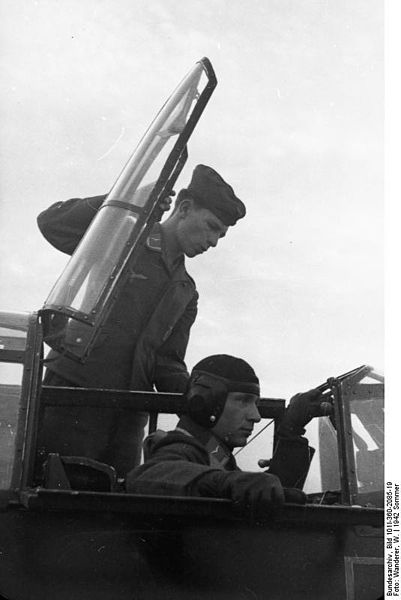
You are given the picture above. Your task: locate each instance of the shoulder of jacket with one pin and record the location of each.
(181, 439)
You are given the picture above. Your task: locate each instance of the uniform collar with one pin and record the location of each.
(154, 239)
(156, 242)
(219, 454)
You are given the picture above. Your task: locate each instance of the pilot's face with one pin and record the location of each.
(238, 418)
(198, 229)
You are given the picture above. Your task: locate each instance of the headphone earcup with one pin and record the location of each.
(206, 397)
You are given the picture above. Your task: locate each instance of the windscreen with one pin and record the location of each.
(367, 418)
(349, 445)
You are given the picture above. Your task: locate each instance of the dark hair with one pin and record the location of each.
(184, 194)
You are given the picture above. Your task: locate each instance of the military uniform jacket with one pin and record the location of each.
(144, 339)
(190, 461)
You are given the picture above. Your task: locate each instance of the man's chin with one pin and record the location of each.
(190, 253)
(239, 442)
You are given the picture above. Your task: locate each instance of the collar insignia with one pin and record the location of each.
(154, 241)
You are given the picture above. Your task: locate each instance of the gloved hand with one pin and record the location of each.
(301, 409)
(253, 494)
(294, 495)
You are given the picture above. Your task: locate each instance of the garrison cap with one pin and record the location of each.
(210, 190)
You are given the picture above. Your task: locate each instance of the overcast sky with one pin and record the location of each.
(295, 126)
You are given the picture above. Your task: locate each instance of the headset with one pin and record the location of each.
(207, 393)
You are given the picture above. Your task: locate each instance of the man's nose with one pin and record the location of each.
(213, 239)
(255, 414)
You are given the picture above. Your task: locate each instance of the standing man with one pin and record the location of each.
(196, 458)
(144, 339)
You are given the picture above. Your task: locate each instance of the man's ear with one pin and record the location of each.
(185, 207)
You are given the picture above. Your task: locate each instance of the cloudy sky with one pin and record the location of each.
(295, 125)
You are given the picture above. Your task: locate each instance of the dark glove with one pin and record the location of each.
(301, 409)
(294, 495)
(253, 494)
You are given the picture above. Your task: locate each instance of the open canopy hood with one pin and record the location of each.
(95, 273)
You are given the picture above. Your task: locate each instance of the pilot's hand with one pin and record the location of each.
(294, 495)
(300, 411)
(254, 494)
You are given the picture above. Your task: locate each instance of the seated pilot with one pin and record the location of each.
(196, 458)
